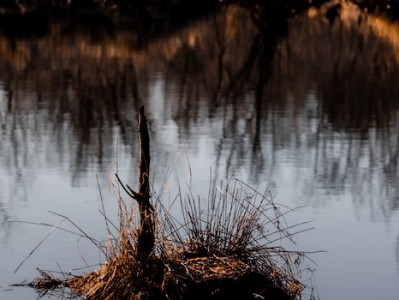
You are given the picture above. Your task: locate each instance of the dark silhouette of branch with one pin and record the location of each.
(146, 238)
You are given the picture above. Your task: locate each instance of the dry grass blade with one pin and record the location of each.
(96, 243)
(38, 245)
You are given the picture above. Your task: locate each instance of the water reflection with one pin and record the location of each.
(76, 91)
(357, 96)
(327, 89)
(313, 96)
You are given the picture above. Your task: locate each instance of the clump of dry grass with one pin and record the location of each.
(216, 245)
(237, 231)
(125, 275)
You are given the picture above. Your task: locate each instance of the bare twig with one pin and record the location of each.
(123, 186)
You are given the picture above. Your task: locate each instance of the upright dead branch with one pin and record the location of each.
(146, 236)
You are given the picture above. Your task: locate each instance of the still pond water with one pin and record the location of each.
(311, 114)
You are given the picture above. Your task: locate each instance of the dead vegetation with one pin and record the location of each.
(228, 247)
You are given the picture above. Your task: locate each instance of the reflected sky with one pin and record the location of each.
(311, 114)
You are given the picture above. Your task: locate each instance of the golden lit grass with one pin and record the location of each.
(236, 231)
(217, 242)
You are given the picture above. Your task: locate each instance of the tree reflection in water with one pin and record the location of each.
(333, 81)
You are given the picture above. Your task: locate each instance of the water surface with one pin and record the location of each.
(310, 113)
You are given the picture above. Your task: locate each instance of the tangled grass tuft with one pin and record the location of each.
(236, 232)
(222, 248)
